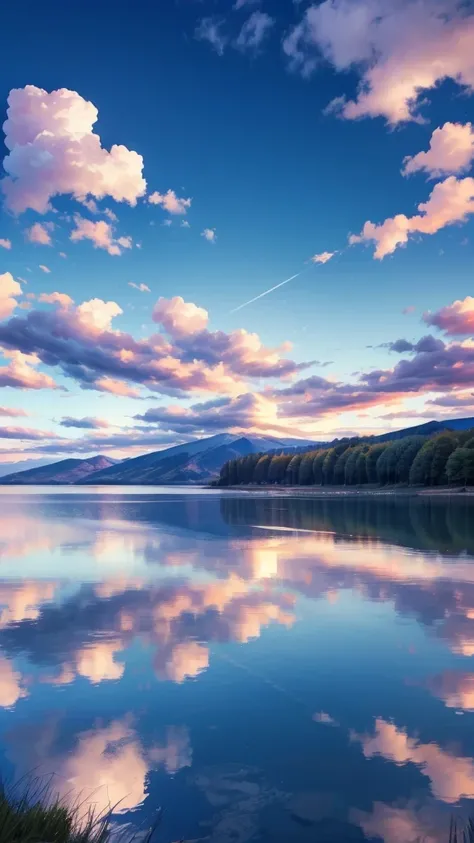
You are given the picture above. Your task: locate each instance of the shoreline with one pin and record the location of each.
(356, 491)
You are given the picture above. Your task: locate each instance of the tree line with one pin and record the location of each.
(446, 458)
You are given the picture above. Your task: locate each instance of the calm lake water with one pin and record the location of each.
(265, 668)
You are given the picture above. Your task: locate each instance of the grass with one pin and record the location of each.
(30, 812)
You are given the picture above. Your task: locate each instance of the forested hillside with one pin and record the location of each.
(445, 458)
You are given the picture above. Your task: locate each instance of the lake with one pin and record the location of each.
(262, 667)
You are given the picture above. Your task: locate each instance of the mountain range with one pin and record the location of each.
(62, 473)
(195, 462)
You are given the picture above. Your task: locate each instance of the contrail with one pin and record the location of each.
(266, 292)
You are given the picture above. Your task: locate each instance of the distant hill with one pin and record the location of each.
(64, 472)
(427, 429)
(194, 462)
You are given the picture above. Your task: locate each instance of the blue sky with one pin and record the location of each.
(244, 132)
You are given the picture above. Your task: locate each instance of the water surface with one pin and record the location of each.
(265, 668)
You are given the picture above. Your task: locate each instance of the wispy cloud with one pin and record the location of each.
(210, 29)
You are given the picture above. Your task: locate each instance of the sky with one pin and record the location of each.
(251, 216)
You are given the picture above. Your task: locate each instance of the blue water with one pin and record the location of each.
(263, 668)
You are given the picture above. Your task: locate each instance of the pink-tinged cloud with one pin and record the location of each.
(409, 309)
(21, 374)
(53, 150)
(116, 387)
(451, 776)
(209, 234)
(323, 257)
(180, 318)
(399, 49)
(455, 319)
(5, 244)
(451, 201)
(13, 412)
(451, 151)
(97, 315)
(101, 234)
(39, 234)
(81, 341)
(9, 290)
(170, 202)
(61, 299)
(29, 433)
(44, 268)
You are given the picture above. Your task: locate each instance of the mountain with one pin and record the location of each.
(426, 429)
(64, 472)
(194, 462)
(24, 465)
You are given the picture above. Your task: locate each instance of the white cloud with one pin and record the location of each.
(9, 289)
(451, 201)
(53, 150)
(101, 234)
(143, 288)
(254, 31)
(209, 234)
(170, 202)
(323, 257)
(451, 151)
(5, 244)
(98, 314)
(210, 29)
(185, 224)
(44, 268)
(400, 48)
(39, 234)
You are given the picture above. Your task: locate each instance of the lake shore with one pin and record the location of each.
(356, 491)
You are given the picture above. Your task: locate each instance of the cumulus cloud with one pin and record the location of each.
(9, 290)
(81, 341)
(39, 234)
(399, 48)
(101, 234)
(451, 201)
(97, 314)
(21, 374)
(170, 202)
(143, 288)
(254, 31)
(451, 151)
(209, 234)
(5, 244)
(323, 257)
(210, 29)
(86, 423)
(180, 318)
(61, 299)
(247, 412)
(455, 319)
(53, 150)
